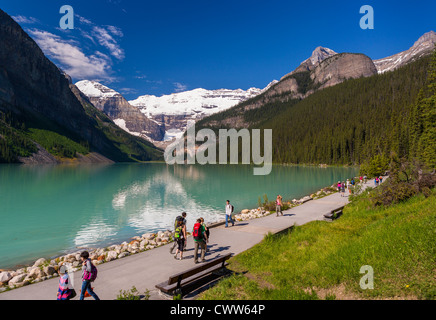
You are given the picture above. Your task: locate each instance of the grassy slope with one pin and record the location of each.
(18, 133)
(322, 260)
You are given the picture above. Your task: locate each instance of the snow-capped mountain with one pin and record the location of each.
(120, 111)
(424, 45)
(162, 118)
(197, 103)
(175, 110)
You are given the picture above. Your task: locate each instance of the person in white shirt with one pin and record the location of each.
(229, 210)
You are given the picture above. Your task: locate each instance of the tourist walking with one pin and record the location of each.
(183, 219)
(64, 290)
(207, 231)
(200, 240)
(361, 179)
(343, 188)
(180, 238)
(89, 273)
(279, 205)
(348, 186)
(229, 211)
(380, 179)
(365, 178)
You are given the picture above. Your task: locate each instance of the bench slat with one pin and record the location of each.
(194, 270)
(167, 288)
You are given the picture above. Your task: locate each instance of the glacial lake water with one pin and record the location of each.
(46, 211)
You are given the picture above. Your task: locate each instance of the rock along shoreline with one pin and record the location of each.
(44, 269)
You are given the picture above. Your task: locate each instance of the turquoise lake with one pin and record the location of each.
(46, 211)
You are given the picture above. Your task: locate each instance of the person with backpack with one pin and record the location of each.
(180, 236)
(64, 290)
(183, 219)
(89, 274)
(200, 240)
(206, 230)
(229, 211)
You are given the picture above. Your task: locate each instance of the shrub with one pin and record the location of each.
(406, 180)
(133, 294)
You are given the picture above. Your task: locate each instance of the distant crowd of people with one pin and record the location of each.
(350, 184)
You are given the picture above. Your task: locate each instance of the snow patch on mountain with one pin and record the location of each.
(196, 103)
(93, 89)
(424, 45)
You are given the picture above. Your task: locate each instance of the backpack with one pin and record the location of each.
(178, 232)
(91, 276)
(233, 208)
(179, 218)
(196, 233)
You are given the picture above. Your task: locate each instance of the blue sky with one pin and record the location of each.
(161, 47)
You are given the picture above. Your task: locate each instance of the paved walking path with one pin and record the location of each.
(145, 270)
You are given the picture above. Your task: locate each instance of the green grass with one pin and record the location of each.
(57, 144)
(322, 260)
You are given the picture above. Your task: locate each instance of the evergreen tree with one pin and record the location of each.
(422, 136)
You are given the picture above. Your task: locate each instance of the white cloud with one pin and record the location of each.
(104, 35)
(84, 20)
(72, 59)
(106, 40)
(87, 53)
(115, 31)
(23, 19)
(128, 91)
(179, 87)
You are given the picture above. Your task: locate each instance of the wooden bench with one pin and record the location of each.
(182, 282)
(334, 214)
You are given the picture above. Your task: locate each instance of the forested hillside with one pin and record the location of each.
(353, 121)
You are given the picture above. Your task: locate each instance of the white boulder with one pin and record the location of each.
(5, 276)
(111, 255)
(17, 279)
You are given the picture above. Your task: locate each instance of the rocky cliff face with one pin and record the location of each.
(318, 55)
(37, 93)
(323, 69)
(120, 111)
(340, 67)
(423, 46)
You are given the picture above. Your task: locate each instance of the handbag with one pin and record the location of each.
(73, 293)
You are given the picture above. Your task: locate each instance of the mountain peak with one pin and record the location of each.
(94, 89)
(426, 37)
(424, 45)
(320, 54)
